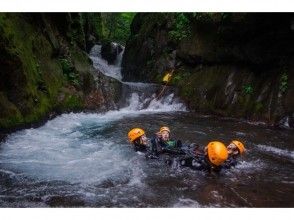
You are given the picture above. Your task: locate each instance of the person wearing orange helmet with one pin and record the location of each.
(212, 158)
(235, 150)
(139, 140)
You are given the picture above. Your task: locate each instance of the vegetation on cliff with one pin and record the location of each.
(45, 67)
(232, 64)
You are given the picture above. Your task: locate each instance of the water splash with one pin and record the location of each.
(151, 104)
(63, 150)
(99, 63)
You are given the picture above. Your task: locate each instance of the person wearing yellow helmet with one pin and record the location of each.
(163, 144)
(235, 150)
(212, 158)
(138, 139)
(167, 76)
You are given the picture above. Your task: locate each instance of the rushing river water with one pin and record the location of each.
(85, 160)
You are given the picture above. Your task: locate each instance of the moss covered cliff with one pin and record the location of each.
(45, 68)
(231, 64)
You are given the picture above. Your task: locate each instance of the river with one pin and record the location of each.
(85, 160)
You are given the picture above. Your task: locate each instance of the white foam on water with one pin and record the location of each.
(249, 166)
(99, 63)
(59, 151)
(186, 203)
(277, 151)
(238, 133)
(165, 104)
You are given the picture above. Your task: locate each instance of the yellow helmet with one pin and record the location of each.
(217, 153)
(164, 129)
(135, 133)
(240, 146)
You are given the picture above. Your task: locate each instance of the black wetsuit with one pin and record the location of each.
(197, 160)
(145, 148)
(141, 147)
(230, 162)
(158, 146)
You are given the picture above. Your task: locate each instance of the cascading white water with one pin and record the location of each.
(138, 96)
(63, 149)
(99, 63)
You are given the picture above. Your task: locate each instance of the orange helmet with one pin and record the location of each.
(164, 129)
(240, 146)
(217, 152)
(135, 133)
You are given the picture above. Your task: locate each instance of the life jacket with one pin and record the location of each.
(172, 147)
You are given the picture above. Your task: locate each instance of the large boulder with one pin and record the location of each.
(148, 50)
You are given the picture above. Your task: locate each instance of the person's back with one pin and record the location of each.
(211, 158)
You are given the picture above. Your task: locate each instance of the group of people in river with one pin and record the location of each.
(213, 157)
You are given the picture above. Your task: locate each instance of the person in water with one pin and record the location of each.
(235, 150)
(139, 140)
(163, 144)
(211, 159)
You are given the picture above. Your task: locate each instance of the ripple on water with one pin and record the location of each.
(277, 151)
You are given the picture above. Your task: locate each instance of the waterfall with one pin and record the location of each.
(99, 63)
(135, 95)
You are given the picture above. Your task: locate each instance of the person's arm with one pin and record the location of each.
(152, 150)
(229, 163)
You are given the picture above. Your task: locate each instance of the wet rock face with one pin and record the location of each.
(254, 39)
(148, 51)
(236, 65)
(110, 51)
(45, 69)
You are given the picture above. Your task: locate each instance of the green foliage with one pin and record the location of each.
(69, 71)
(176, 79)
(283, 83)
(248, 89)
(116, 26)
(73, 102)
(66, 66)
(77, 30)
(104, 26)
(181, 28)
